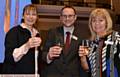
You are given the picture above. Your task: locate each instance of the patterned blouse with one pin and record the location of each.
(105, 61)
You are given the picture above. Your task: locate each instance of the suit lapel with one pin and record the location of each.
(60, 34)
(73, 50)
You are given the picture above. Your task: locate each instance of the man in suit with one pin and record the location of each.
(62, 61)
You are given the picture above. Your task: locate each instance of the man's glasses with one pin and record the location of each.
(68, 16)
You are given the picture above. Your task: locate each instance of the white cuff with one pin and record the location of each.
(19, 52)
(48, 60)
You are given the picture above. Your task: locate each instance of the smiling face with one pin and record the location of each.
(68, 17)
(99, 25)
(30, 15)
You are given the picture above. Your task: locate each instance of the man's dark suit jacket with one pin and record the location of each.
(66, 65)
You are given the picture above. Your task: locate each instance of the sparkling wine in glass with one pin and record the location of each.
(86, 45)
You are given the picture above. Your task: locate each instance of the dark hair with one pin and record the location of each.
(67, 6)
(29, 6)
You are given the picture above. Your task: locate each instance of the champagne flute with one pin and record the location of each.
(86, 44)
(59, 41)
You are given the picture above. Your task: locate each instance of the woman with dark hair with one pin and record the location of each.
(21, 43)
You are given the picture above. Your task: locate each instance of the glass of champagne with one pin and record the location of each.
(86, 45)
(59, 42)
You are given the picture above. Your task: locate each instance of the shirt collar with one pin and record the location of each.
(68, 29)
(34, 31)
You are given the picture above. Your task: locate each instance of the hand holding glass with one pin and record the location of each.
(84, 48)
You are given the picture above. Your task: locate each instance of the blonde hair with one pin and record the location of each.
(104, 13)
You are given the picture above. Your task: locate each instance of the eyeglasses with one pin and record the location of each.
(68, 16)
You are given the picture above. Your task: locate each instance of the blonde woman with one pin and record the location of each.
(101, 55)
